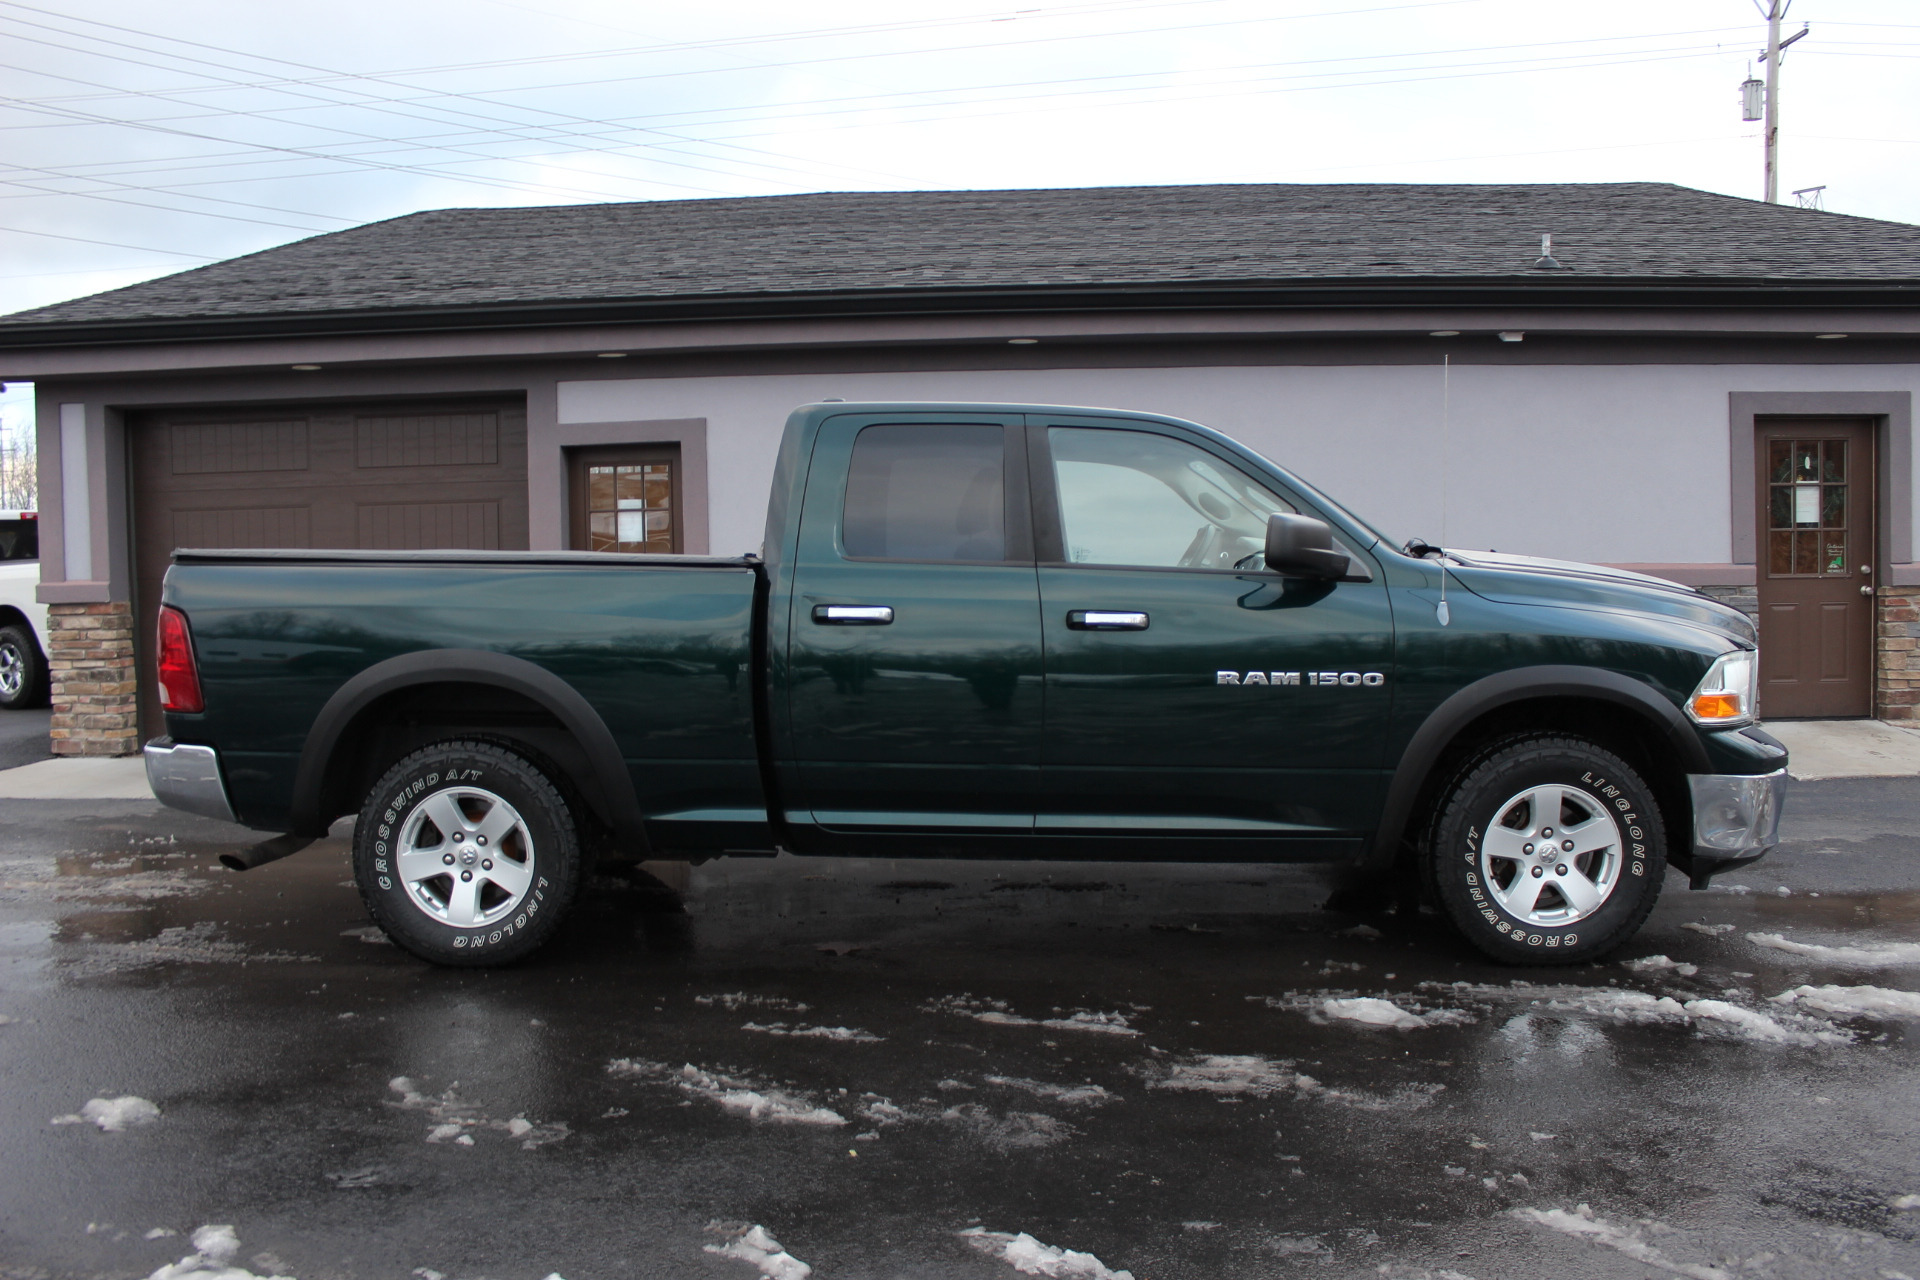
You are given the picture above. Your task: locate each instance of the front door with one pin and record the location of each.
(914, 678)
(1189, 692)
(1816, 580)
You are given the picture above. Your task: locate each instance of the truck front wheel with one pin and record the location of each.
(1547, 850)
(466, 854)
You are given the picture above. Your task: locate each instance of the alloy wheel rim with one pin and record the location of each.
(13, 670)
(465, 857)
(1552, 855)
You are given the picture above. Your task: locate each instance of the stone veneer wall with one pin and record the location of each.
(92, 662)
(1896, 694)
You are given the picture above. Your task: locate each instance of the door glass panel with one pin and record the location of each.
(927, 491)
(1779, 461)
(1807, 507)
(1780, 552)
(1135, 498)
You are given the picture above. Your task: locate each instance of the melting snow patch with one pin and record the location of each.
(1885, 956)
(733, 1001)
(1029, 1257)
(1298, 1246)
(997, 1013)
(1201, 1226)
(1871, 1001)
(1359, 931)
(368, 934)
(1904, 1202)
(113, 1115)
(1583, 1225)
(1711, 930)
(212, 1259)
(756, 1245)
(1071, 1094)
(734, 1094)
(851, 1034)
(1373, 1012)
(1235, 1075)
(457, 1120)
(1650, 964)
(1014, 1131)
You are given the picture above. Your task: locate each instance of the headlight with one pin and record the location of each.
(1728, 692)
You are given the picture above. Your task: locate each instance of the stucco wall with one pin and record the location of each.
(1608, 463)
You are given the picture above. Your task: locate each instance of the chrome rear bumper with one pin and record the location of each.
(187, 778)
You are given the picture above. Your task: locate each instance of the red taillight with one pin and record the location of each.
(179, 676)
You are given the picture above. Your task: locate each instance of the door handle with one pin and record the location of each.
(853, 615)
(1106, 620)
(1866, 591)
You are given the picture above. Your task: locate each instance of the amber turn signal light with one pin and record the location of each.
(1716, 706)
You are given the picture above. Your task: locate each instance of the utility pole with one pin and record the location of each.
(1775, 11)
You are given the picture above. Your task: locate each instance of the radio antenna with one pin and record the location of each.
(1446, 450)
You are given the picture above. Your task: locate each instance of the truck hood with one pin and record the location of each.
(1513, 579)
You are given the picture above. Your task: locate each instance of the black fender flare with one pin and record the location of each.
(468, 666)
(1522, 684)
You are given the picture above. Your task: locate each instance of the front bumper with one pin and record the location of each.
(1736, 818)
(187, 778)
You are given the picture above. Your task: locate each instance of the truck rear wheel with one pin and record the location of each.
(1547, 850)
(467, 854)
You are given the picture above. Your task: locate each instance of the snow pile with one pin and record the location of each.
(113, 1115)
(1711, 930)
(1073, 1095)
(734, 1094)
(1651, 964)
(851, 1034)
(1709, 1017)
(212, 1259)
(455, 1120)
(1635, 1007)
(997, 1013)
(755, 1244)
(1029, 1257)
(1582, 1224)
(1231, 1075)
(1374, 1012)
(1870, 1001)
(1885, 956)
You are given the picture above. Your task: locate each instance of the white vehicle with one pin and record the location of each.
(23, 620)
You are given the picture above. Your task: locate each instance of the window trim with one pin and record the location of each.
(1017, 518)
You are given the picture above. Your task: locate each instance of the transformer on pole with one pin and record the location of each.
(1768, 106)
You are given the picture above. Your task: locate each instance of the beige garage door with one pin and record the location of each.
(401, 476)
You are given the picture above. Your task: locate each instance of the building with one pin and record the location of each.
(1697, 386)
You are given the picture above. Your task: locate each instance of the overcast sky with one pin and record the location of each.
(139, 139)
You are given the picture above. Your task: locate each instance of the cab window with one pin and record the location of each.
(927, 491)
(1136, 498)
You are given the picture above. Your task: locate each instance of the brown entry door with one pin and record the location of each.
(1816, 515)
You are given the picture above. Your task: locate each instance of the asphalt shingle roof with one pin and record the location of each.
(789, 246)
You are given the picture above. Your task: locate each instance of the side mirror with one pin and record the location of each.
(1302, 547)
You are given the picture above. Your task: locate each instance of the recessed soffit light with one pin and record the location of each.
(613, 355)
(1513, 335)
(1829, 336)
(1022, 342)
(306, 368)
(1444, 333)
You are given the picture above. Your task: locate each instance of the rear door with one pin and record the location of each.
(1189, 691)
(915, 679)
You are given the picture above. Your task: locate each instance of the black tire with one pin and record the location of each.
(1488, 811)
(23, 669)
(494, 903)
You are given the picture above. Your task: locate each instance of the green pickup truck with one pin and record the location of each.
(981, 631)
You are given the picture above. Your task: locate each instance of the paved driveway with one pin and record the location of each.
(23, 737)
(900, 1069)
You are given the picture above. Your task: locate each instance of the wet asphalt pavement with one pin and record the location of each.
(23, 736)
(870, 1060)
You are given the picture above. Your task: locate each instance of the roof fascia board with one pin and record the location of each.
(364, 350)
(1318, 294)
